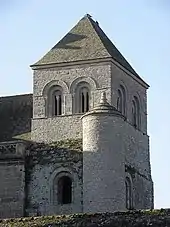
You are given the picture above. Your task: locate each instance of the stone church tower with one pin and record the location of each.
(84, 92)
(68, 82)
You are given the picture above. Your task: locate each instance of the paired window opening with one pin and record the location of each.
(81, 100)
(121, 107)
(65, 190)
(55, 100)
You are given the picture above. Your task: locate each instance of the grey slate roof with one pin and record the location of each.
(15, 117)
(85, 41)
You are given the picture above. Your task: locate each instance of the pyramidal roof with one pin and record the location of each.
(85, 41)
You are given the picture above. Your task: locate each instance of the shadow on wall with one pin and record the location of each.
(66, 154)
(15, 116)
(16, 201)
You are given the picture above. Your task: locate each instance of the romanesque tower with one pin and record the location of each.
(65, 149)
(68, 82)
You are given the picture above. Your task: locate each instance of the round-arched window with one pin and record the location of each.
(121, 100)
(64, 190)
(129, 195)
(82, 98)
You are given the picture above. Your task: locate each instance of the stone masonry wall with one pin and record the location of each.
(43, 165)
(143, 192)
(137, 157)
(136, 142)
(135, 152)
(56, 128)
(103, 163)
(11, 189)
(98, 76)
(12, 180)
(136, 146)
(132, 88)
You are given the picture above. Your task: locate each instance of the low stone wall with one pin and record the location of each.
(155, 218)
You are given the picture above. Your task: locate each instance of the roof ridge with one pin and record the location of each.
(92, 23)
(16, 96)
(102, 35)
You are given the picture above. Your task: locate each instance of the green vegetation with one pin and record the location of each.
(70, 144)
(73, 144)
(24, 136)
(155, 218)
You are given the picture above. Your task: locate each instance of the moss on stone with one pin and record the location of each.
(156, 218)
(65, 151)
(73, 144)
(24, 136)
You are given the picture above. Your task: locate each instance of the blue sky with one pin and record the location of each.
(140, 30)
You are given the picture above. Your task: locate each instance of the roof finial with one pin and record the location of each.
(103, 99)
(88, 15)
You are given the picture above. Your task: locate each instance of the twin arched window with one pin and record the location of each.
(82, 98)
(121, 100)
(55, 100)
(129, 193)
(81, 101)
(121, 106)
(135, 112)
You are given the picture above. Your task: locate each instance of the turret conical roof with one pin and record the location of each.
(104, 108)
